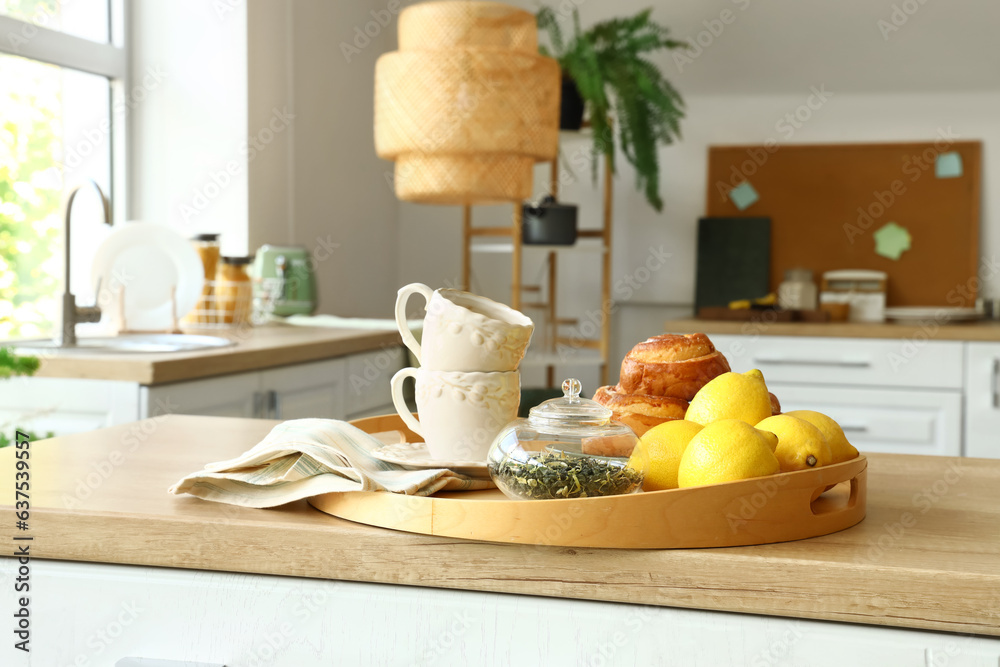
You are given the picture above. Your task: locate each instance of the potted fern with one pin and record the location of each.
(609, 66)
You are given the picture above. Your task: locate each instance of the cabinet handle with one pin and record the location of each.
(273, 405)
(996, 378)
(854, 429)
(152, 662)
(258, 405)
(814, 362)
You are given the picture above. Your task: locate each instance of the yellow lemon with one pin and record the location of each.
(840, 449)
(801, 446)
(731, 396)
(664, 445)
(725, 451)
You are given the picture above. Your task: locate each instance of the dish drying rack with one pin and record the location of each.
(231, 308)
(223, 305)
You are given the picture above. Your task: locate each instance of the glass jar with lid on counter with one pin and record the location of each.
(567, 448)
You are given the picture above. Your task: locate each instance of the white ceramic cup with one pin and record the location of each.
(459, 413)
(465, 332)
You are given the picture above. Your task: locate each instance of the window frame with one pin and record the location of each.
(110, 60)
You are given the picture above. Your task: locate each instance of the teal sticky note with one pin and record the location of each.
(743, 195)
(948, 165)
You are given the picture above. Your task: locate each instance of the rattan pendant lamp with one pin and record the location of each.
(466, 106)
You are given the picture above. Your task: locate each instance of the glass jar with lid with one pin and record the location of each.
(233, 291)
(207, 247)
(568, 447)
(798, 291)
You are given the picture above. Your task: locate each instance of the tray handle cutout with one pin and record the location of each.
(836, 499)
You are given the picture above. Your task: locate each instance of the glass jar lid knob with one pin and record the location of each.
(570, 410)
(571, 389)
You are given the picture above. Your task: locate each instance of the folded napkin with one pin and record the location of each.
(308, 457)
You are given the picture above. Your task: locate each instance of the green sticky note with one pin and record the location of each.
(892, 240)
(743, 195)
(948, 165)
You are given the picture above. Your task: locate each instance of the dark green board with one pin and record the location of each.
(734, 260)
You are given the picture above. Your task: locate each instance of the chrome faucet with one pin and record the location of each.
(73, 314)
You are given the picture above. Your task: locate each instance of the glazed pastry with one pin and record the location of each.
(671, 365)
(659, 376)
(640, 412)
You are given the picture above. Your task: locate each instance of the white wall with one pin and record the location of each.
(270, 111)
(187, 167)
(319, 177)
(259, 97)
(935, 72)
(340, 194)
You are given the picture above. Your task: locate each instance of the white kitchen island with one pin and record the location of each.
(130, 571)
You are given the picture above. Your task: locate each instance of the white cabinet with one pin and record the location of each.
(313, 389)
(896, 421)
(62, 407)
(847, 361)
(236, 395)
(982, 400)
(340, 388)
(367, 381)
(306, 390)
(95, 614)
(899, 396)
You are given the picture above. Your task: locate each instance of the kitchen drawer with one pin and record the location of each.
(368, 376)
(235, 395)
(982, 401)
(847, 361)
(308, 390)
(898, 421)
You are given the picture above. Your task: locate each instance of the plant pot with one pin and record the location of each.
(549, 223)
(571, 109)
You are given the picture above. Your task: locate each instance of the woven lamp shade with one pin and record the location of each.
(466, 106)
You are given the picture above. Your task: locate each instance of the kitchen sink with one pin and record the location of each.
(127, 344)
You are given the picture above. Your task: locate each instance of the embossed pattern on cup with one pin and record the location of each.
(465, 332)
(459, 413)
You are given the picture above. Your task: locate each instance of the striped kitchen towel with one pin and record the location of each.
(308, 457)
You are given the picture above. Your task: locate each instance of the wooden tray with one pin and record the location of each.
(755, 511)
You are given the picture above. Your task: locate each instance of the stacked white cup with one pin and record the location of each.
(468, 386)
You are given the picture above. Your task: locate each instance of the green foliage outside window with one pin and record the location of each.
(30, 194)
(30, 188)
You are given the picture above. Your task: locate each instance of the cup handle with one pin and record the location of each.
(396, 385)
(402, 296)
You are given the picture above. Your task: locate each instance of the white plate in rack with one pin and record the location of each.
(148, 261)
(414, 456)
(939, 314)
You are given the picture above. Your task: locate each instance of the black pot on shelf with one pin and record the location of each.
(571, 108)
(549, 223)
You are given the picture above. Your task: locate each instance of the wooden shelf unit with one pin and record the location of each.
(513, 232)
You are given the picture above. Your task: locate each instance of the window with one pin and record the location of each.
(62, 77)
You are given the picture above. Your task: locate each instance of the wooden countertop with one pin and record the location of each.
(925, 557)
(971, 331)
(256, 348)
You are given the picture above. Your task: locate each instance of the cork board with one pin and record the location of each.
(826, 201)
